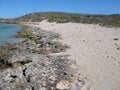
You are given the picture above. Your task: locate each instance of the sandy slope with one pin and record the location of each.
(95, 51)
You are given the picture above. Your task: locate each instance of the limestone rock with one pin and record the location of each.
(38, 70)
(63, 84)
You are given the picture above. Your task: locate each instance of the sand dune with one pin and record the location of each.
(95, 49)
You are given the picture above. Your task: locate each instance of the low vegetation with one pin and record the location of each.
(60, 17)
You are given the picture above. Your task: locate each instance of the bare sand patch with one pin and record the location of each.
(95, 50)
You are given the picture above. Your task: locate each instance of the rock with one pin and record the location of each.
(27, 89)
(38, 70)
(63, 84)
(43, 88)
(37, 49)
(52, 79)
(38, 45)
(77, 85)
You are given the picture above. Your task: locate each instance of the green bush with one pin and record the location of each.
(52, 19)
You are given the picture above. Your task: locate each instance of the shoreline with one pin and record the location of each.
(5, 49)
(15, 36)
(21, 33)
(85, 58)
(32, 58)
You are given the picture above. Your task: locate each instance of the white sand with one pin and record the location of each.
(95, 51)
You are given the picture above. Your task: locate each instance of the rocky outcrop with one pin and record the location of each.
(34, 68)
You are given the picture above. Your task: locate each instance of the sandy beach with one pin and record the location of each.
(94, 49)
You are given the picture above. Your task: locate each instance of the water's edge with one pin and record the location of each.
(8, 36)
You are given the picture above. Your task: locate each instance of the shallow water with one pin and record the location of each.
(7, 31)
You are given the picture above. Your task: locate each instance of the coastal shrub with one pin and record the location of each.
(58, 19)
(52, 19)
(62, 21)
(61, 17)
(37, 19)
(76, 19)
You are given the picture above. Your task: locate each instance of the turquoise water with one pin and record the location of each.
(7, 31)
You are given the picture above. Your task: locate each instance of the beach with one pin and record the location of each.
(60, 45)
(95, 51)
(62, 56)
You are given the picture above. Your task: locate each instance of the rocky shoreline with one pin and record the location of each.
(35, 64)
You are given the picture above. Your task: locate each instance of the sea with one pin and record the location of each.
(7, 32)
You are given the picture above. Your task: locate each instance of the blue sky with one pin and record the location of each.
(16, 8)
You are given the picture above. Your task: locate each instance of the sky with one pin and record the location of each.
(17, 8)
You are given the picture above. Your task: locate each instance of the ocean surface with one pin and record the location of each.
(7, 31)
